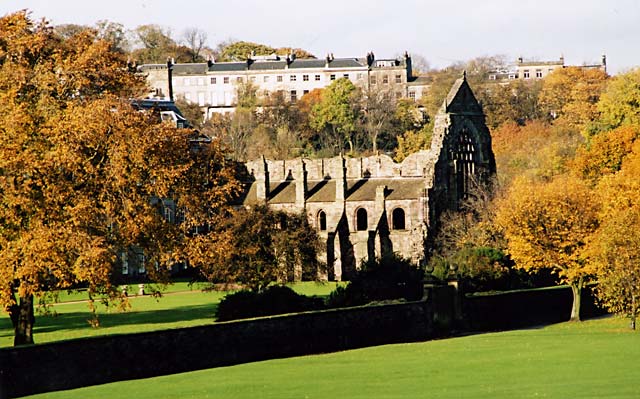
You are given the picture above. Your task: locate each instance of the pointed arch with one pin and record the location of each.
(322, 220)
(464, 156)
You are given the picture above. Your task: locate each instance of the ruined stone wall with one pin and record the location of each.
(424, 185)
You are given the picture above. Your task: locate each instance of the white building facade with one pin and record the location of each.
(213, 85)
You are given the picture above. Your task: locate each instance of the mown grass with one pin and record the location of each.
(182, 305)
(592, 359)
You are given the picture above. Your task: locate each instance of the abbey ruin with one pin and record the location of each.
(366, 207)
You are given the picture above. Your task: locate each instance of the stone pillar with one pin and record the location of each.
(300, 177)
(262, 181)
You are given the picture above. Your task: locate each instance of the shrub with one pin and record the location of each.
(387, 278)
(276, 299)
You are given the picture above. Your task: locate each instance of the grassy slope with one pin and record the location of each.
(593, 359)
(182, 306)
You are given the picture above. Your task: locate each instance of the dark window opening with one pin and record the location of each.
(322, 221)
(361, 220)
(397, 219)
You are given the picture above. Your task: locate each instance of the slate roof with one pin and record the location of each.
(258, 65)
(190, 69)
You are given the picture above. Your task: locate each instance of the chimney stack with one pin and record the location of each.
(170, 63)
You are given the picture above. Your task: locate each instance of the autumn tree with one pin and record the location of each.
(569, 96)
(264, 246)
(537, 150)
(547, 225)
(412, 141)
(615, 249)
(619, 104)
(335, 118)
(413, 133)
(604, 153)
(82, 174)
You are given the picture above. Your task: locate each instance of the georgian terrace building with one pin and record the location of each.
(213, 85)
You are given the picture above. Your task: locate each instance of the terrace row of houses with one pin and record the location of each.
(533, 70)
(213, 85)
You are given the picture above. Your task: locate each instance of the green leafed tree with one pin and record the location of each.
(241, 50)
(336, 117)
(619, 104)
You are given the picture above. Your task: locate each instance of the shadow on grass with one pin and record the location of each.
(79, 320)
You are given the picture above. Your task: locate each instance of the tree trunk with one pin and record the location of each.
(576, 289)
(23, 320)
(633, 312)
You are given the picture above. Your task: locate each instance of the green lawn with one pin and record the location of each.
(593, 359)
(181, 306)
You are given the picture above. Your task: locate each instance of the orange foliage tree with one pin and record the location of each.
(615, 249)
(605, 152)
(546, 225)
(570, 95)
(82, 174)
(536, 149)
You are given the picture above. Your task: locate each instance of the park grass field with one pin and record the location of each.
(592, 359)
(182, 305)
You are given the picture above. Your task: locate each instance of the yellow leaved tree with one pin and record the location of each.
(615, 248)
(83, 176)
(546, 225)
(570, 96)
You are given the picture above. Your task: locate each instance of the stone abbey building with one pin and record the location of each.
(366, 207)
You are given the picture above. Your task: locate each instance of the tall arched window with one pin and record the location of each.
(463, 156)
(397, 219)
(361, 219)
(322, 221)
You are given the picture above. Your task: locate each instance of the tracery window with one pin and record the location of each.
(464, 163)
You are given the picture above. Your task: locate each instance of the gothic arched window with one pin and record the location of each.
(464, 158)
(322, 221)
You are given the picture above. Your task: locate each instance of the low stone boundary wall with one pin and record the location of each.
(524, 308)
(98, 360)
